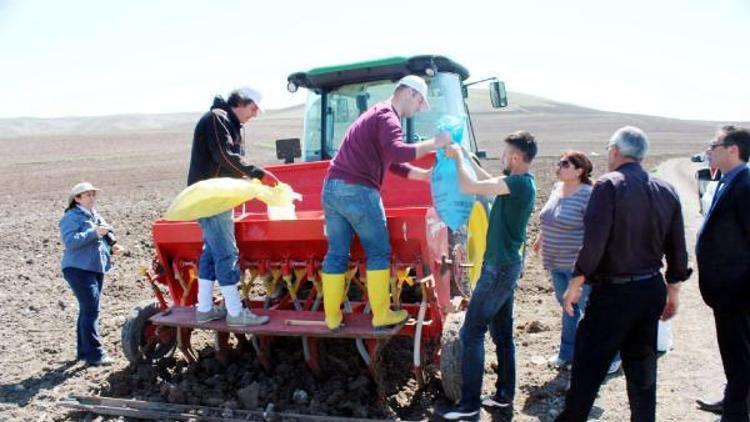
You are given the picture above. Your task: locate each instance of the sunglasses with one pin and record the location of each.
(712, 146)
(564, 164)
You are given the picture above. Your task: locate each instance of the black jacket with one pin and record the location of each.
(218, 147)
(723, 248)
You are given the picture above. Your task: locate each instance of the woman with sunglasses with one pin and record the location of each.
(561, 238)
(89, 244)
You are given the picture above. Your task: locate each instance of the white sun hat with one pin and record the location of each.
(81, 188)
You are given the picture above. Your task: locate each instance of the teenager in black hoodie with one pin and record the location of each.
(218, 151)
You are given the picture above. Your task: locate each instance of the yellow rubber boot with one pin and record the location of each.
(333, 294)
(378, 289)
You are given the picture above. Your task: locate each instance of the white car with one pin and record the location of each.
(708, 195)
(708, 181)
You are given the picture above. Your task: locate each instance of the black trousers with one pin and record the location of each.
(620, 318)
(733, 334)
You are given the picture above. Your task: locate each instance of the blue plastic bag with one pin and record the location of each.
(453, 125)
(452, 206)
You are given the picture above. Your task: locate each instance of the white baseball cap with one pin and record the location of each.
(81, 188)
(247, 93)
(418, 84)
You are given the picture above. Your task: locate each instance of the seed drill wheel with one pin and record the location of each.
(143, 341)
(450, 356)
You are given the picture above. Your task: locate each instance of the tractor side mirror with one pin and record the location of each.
(498, 96)
(288, 150)
(698, 158)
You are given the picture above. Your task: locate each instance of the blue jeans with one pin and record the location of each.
(491, 306)
(87, 288)
(219, 258)
(350, 209)
(560, 281)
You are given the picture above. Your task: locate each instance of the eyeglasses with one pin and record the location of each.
(563, 164)
(713, 145)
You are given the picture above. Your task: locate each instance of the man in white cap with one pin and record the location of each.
(218, 151)
(351, 199)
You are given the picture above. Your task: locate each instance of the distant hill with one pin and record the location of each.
(557, 126)
(115, 124)
(179, 122)
(479, 102)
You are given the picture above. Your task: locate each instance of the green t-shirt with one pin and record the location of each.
(508, 219)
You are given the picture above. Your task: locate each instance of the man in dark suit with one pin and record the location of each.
(723, 254)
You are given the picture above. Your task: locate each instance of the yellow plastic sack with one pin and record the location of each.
(213, 196)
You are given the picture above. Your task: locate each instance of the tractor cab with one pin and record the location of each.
(338, 95)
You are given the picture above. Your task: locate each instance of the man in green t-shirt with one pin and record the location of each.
(491, 304)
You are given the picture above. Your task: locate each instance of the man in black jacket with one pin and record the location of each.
(218, 144)
(723, 254)
(218, 151)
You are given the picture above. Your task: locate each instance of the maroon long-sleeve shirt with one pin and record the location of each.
(632, 221)
(372, 145)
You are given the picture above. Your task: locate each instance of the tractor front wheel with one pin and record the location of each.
(143, 341)
(450, 356)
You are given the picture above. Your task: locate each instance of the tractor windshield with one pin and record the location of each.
(344, 104)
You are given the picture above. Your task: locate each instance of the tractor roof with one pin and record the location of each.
(392, 68)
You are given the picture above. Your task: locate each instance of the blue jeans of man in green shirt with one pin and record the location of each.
(491, 307)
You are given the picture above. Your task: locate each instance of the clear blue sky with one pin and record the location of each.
(686, 58)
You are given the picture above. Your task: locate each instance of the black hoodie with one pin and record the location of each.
(218, 147)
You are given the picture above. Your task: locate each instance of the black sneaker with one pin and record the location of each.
(494, 402)
(457, 413)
